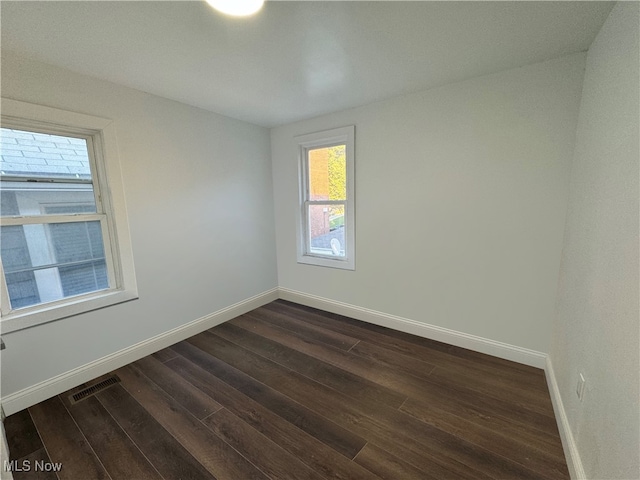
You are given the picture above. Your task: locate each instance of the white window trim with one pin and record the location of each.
(327, 138)
(110, 191)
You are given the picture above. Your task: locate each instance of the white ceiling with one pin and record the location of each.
(295, 60)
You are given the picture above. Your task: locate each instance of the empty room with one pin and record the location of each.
(319, 240)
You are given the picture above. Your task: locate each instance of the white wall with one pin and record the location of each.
(199, 197)
(461, 195)
(596, 330)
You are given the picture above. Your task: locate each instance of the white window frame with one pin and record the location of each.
(111, 212)
(328, 138)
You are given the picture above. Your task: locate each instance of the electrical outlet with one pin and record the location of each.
(580, 387)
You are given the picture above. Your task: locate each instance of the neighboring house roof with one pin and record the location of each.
(39, 155)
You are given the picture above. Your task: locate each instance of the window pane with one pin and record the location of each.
(15, 254)
(39, 155)
(326, 230)
(75, 242)
(48, 262)
(26, 198)
(84, 278)
(15, 257)
(23, 290)
(328, 173)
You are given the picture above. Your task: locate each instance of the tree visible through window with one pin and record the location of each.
(327, 181)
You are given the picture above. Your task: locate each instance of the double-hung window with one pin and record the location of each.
(59, 251)
(326, 224)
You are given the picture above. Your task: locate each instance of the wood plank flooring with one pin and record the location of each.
(290, 392)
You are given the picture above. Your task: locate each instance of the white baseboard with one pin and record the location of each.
(433, 332)
(61, 383)
(30, 396)
(574, 463)
(36, 393)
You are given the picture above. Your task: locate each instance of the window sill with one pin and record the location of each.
(37, 315)
(342, 264)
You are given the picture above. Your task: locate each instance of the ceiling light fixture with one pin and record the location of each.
(237, 8)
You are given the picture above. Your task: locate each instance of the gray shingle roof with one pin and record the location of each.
(41, 155)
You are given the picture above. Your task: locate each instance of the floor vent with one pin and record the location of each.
(92, 390)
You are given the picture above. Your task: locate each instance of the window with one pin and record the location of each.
(59, 211)
(327, 223)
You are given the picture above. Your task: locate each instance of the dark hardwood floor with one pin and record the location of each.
(290, 392)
